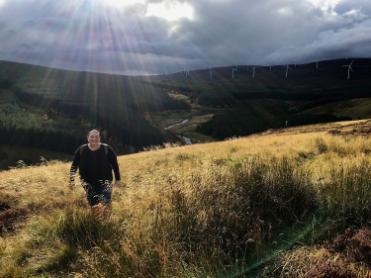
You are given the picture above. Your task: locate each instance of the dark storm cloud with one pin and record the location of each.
(90, 35)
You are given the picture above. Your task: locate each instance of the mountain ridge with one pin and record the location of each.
(40, 104)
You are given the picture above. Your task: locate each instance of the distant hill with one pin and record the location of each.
(248, 99)
(303, 81)
(52, 109)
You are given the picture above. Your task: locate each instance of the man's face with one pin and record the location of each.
(94, 138)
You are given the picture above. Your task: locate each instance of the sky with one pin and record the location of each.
(163, 36)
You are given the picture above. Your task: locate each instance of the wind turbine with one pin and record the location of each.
(287, 71)
(211, 74)
(164, 74)
(253, 72)
(349, 68)
(234, 70)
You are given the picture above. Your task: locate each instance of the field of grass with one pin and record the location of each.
(263, 205)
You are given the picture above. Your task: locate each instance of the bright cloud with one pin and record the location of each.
(285, 11)
(170, 10)
(121, 4)
(157, 36)
(325, 4)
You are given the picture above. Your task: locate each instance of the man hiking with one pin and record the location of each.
(95, 162)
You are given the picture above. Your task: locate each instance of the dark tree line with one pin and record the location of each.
(55, 140)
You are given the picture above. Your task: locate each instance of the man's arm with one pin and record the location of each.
(74, 166)
(113, 160)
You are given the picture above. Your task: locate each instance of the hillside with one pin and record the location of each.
(51, 109)
(256, 98)
(275, 204)
(60, 103)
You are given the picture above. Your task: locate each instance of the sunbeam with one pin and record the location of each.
(122, 4)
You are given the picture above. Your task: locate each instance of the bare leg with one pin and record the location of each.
(102, 211)
(107, 211)
(97, 210)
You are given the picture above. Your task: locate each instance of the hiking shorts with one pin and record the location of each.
(100, 192)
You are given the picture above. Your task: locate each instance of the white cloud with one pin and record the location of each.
(122, 4)
(325, 4)
(285, 11)
(168, 35)
(170, 10)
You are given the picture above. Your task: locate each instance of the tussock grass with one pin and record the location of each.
(346, 256)
(234, 209)
(347, 196)
(188, 211)
(321, 145)
(299, 264)
(80, 228)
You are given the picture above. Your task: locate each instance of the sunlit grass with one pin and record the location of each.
(187, 210)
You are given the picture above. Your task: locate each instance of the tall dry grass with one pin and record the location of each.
(347, 196)
(186, 211)
(231, 210)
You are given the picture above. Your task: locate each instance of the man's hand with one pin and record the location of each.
(118, 183)
(71, 185)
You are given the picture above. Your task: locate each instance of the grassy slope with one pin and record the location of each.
(355, 108)
(157, 209)
(246, 103)
(121, 101)
(220, 108)
(16, 113)
(111, 102)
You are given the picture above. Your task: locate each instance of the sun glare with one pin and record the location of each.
(123, 3)
(170, 10)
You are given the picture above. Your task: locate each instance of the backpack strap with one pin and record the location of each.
(82, 148)
(105, 146)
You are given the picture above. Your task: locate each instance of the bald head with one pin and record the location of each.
(93, 131)
(94, 138)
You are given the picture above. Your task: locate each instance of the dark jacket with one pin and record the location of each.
(95, 166)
